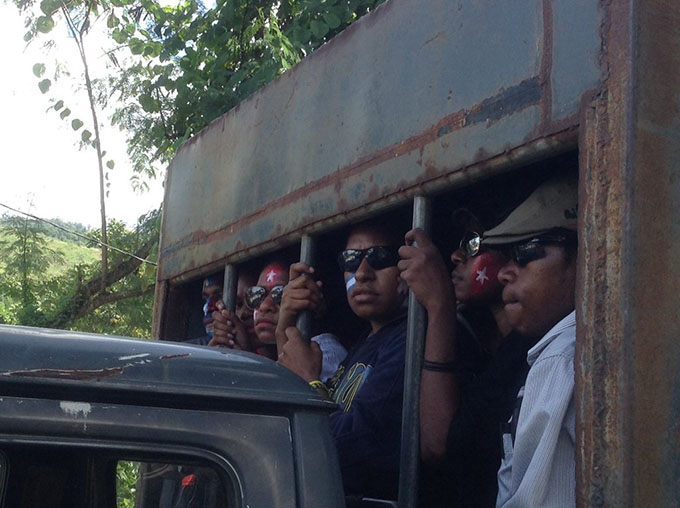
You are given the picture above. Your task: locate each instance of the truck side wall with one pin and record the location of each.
(413, 93)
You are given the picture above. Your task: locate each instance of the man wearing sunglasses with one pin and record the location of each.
(368, 385)
(539, 278)
(263, 301)
(474, 365)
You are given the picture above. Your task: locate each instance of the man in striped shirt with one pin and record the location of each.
(540, 243)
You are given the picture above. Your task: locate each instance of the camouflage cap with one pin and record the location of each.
(552, 205)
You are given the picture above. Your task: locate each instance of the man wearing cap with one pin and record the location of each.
(540, 242)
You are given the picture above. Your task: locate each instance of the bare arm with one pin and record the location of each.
(303, 358)
(301, 293)
(424, 271)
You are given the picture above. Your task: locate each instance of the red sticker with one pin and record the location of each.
(485, 268)
(272, 273)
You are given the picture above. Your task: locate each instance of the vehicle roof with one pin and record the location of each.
(92, 367)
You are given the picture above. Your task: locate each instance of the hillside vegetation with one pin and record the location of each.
(69, 253)
(44, 270)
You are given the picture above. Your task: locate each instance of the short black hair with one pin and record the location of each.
(393, 225)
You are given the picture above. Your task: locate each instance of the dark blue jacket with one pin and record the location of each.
(369, 387)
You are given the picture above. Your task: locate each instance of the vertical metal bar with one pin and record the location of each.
(415, 343)
(160, 306)
(229, 288)
(307, 255)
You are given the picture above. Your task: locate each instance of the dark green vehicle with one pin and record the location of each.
(183, 426)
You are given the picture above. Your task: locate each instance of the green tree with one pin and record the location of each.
(78, 17)
(124, 306)
(25, 255)
(177, 69)
(195, 63)
(72, 298)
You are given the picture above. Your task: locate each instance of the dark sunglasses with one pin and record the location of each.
(526, 252)
(255, 295)
(377, 257)
(471, 243)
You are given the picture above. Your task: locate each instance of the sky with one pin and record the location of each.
(42, 170)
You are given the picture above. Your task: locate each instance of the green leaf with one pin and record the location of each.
(136, 46)
(65, 113)
(44, 85)
(112, 21)
(58, 105)
(76, 124)
(85, 135)
(38, 69)
(110, 164)
(28, 36)
(319, 28)
(120, 36)
(331, 20)
(44, 24)
(48, 7)
(147, 103)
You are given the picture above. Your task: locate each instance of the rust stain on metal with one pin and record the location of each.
(490, 110)
(654, 328)
(73, 374)
(433, 38)
(512, 156)
(603, 461)
(175, 356)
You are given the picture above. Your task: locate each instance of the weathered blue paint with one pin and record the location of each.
(414, 92)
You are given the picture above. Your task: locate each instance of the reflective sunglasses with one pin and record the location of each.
(471, 243)
(526, 252)
(377, 257)
(255, 295)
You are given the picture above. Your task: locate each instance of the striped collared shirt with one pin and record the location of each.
(538, 469)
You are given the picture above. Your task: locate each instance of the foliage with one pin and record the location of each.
(47, 229)
(177, 69)
(25, 254)
(198, 63)
(69, 296)
(180, 67)
(127, 474)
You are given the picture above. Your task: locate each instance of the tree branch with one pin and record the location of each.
(107, 298)
(86, 294)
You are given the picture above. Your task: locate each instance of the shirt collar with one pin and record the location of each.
(568, 321)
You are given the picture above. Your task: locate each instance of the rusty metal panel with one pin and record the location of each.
(414, 92)
(655, 279)
(628, 352)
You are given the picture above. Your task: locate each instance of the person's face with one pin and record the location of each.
(243, 312)
(377, 295)
(210, 291)
(266, 316)
(475, 279)
(538, 295)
